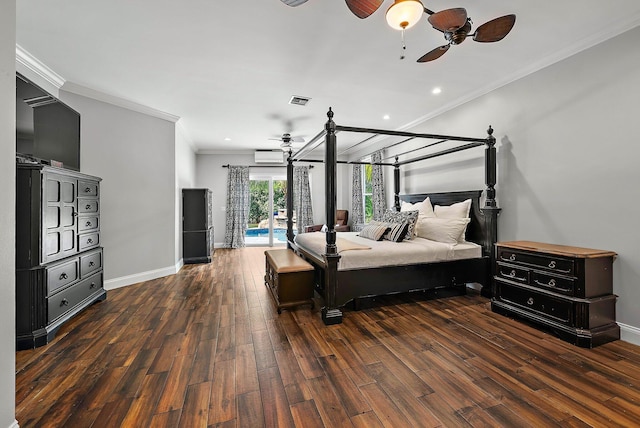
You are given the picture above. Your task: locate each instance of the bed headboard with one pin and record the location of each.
(477, 230)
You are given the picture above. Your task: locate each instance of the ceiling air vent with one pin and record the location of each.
(299, 101)
(269, 156)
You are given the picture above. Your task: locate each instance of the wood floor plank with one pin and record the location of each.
(206, 347)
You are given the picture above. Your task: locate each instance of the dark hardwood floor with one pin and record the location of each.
(206, 347)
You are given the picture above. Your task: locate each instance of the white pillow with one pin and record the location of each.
(457, 210)
(447, 230)
(424, 208)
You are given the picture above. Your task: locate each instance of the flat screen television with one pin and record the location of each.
(47, 130)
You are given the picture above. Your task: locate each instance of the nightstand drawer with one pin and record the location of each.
(553, 264)
(558, 284)
(548, 306)
(513, 273)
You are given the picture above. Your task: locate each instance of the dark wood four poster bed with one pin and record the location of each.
(339, 286)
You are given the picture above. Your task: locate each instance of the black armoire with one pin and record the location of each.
(197, 226)
(58, 253)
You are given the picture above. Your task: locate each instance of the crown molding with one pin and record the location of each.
(117, 101)
(32, 63)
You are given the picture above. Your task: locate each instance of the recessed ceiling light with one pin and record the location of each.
(386, 117)
(436, 91)
(227, 139)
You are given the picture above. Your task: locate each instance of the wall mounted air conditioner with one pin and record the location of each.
(269, 156)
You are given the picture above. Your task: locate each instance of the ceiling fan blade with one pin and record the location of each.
(363, 8)
(293, 3)
(434, 54)
(448, 20)
(494, 30)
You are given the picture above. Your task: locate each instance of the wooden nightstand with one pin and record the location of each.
(566, 289)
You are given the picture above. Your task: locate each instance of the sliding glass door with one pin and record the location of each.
(267, 211)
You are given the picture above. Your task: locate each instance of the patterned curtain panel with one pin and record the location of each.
(237, 206)
(379, 200)
(357, 214)
(302, 197)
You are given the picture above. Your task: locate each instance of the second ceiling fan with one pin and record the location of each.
(453, 23)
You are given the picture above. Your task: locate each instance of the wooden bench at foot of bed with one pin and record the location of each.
(289, 278)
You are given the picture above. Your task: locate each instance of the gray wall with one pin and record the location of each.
(135, 156)
(7, 211)
(567, 159)
(185, 178)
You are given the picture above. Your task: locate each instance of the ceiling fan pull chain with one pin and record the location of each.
(404, 47)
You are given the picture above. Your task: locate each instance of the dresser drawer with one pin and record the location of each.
(87, 188)
(559, 284)
(513, 273)
(90, 263)
(64, 301)
(88, 223)
(551, 307)
(86, 206)
(88, 240)
(61, 275)
(550, 263)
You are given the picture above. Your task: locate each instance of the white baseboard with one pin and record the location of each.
(629, 333)
(124, 281)
(14, 424)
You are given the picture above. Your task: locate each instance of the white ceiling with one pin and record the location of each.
(229, 68)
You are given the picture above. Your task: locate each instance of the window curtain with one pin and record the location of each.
(357, 212)
(379, 200)
(302, 197)
(237, 206)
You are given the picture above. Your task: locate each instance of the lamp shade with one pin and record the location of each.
(404, 14)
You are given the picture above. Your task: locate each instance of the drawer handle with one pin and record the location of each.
(551, 283)
(87, 189)
(87, 207)
(512, 257)
(512, 274)
(92, 286)
(91, 263)
(552, 264)
(88, 224)
(64, 302)
(530, 301)
(63, 275)
(89, 241)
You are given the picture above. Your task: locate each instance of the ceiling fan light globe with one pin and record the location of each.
(404, 14)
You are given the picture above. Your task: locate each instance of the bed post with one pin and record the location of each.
(289, 200)
(396, 184)
(331, 314)
(490, 210)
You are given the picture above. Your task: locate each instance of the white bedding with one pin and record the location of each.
(387, 253)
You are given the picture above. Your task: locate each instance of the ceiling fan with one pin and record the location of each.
(286, 139)
(454, 23)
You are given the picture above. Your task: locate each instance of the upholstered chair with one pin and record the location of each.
(342, 223)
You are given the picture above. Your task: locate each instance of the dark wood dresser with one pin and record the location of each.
(568, 290)
(197, 225)
(59, 261)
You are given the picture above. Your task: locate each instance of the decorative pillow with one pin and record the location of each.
(374, 231)
(409, 217)
(457, 210)
(447, 230)
(424, 207)
(397, 231)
